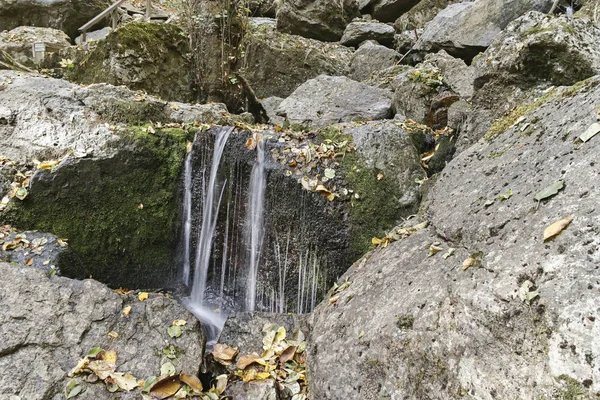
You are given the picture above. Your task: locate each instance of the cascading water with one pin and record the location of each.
(254, 220)
(187, 212)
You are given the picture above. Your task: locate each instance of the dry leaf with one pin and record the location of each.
(287, 354)
(142, 296)
(47, 164)
(113, 334)
(79, 367)
(334, 299)
(110, 356)
(126, 311)
(221, 384)
(556, 228)
(251, 144)
(192, 381)
(125, 381)
(246, 360)
(468, 263)
(179, 322)
(165, 387)
(102, 368)
(223, 353)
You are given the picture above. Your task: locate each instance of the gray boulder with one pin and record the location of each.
(371, 58)
(359, 31)
(270, 104)
(326, 100)
(263, 8)
(65, 15)
(466, 29)
(276, 63)
(507, 314)
(94, 35)
(95, 133)
(316, 19)
(414, 91)
(257, 390)
(31, 249)
(389, 10)
(47, 324)
(459, 76)
(262, 23)
(18, 42)
(423, 12)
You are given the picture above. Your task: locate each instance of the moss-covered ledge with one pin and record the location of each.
(120, 212)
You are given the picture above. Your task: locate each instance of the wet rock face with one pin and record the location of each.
(276, 63)
(465, 29)
(48, 324)
(18, 42)
(316, 19)
(518, 319)
(142, 56)
(340, 100)
(65, 15)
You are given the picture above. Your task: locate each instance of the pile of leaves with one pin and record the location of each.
(412, 126)
(282, 360)
(398, 234)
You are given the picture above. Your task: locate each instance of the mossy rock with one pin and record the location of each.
(120, 213)
(144, 56)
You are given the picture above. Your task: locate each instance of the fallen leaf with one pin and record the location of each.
(379, 176)
(247, 359)
(223, 353)
(334, 299)
(94, 352)
(126, 311)
(102, 368)
(434, 249)
(592, 131)
(72, 389)
(556, 228)
(361, 334)
(142, 296)
(113, 334)
(167, 369)
(280, 335)
(47, 164)
(261, 376)
(21, 193)
(148, 383)
(549, 191)
(526, 293)
(192, 381)
(79, 367)
(450, 252)
(174, 331)
(221, 384)
(251, 144)
(329, 173)
(140, 206)
(179, 322)
(468, 263)
(110, 356)
(506, 196)
(287, 354)
(165, 387)
(126, 382)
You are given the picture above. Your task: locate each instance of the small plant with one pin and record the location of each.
(67, 63)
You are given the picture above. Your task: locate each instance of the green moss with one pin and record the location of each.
(573, 390)
(119, 214)
(405, 322)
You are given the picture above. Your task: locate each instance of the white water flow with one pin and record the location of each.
(187, 214)
(210, 211)
(254, 221)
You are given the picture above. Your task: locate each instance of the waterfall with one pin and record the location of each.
(187, 212)
(210, 211)
(254, 221)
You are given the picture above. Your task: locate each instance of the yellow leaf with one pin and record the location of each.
(376, 241)
(249, 375)
(334, 299)
(280, 334)
(47, 164)
(221, 384)
(250, 144)
(261, 376)
(102, 368)
(179, 322)
(189, 147)
(110, 356)
(126, 311)
(79, 367)
(142, 296)
(556, 228)
(113, 334)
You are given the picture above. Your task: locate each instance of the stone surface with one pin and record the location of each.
(142, 56)
(262, 23)
(258, 390)
(419, 15)
(457, 75)
(414, 91)
(326, 100)
(95, 35)
(371, 58)
(263, 8)
(53, 119)
(65, 15)
(413, 326)
(276, 63)
(316, 19)
(466, 29)
(37, 250)
(359, 31)
(270, 104)
(18, 42)
(389, 10)
(47, 324)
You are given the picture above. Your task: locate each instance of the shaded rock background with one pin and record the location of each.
(49, 323)
(17, 42)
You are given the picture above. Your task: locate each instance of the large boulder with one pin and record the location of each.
(359, 31)
(65, 15)
(389, 10)
(18, 42)
(466, 29)
(459, 76)
(535, 52)
(316, 19)
(423, 12)
(327, 100)
(99, 135)
(49, 323)
(142, 56)
(276, 63)
(371, 58)
(505, 314)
